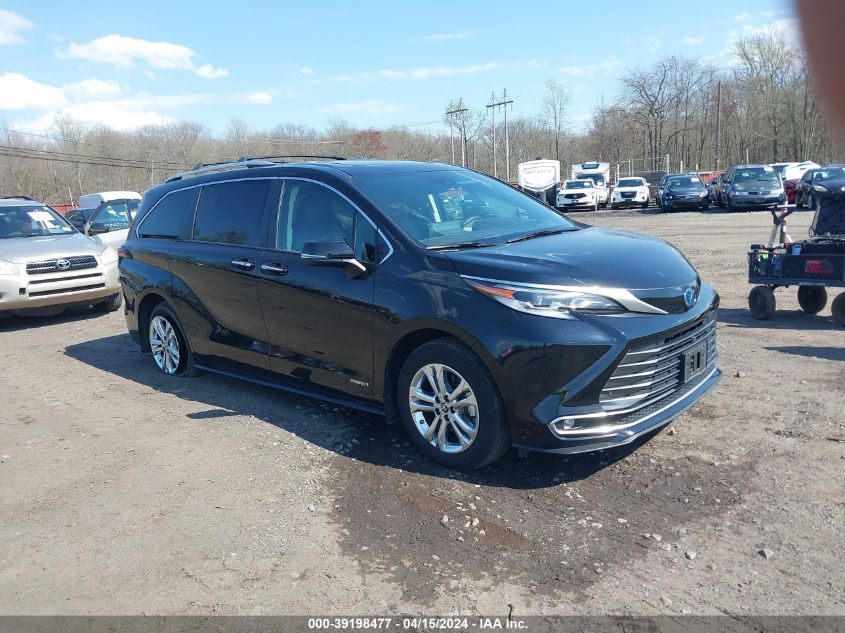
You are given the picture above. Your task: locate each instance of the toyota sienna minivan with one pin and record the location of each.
(477, 315)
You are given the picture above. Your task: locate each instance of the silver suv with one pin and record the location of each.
(46, 265)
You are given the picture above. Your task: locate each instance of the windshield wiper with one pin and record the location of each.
(458, 246)
(543, 233)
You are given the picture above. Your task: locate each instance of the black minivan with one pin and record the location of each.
(476, 314)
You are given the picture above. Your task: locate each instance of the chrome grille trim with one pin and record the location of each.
(77, 262)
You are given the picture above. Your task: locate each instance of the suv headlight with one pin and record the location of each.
(8, 268)
(544, 301)
(108, 256)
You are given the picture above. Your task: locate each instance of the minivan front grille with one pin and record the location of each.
(80, 262)
(655, 370)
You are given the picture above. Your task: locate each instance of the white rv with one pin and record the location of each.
(599, 173)
(539, 178)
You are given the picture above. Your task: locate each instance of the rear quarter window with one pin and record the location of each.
(171, 216)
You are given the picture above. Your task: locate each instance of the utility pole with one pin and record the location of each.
(496, 104)
(451, 114)
(718, 124)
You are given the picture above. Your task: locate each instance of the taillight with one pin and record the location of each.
(818, 266)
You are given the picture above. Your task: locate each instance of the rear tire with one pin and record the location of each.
(838, 309)
(761, 302)
(163, 321)
(812, 299)
(484, 422)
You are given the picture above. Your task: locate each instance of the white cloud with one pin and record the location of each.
(447, 37)
(369, 107)
(260, 98)
(99, 113)
(95, 88)
(588, 70)
(425, 72)
(18, 92)
(693, 41)
(123, 52)
(10, 26)
(742, 17)
(305, 70)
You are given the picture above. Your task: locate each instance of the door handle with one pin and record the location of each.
(274, 268)
(243, 263)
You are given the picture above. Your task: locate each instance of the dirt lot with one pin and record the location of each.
(124, 491)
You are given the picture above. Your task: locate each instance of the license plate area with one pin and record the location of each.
(694, 361)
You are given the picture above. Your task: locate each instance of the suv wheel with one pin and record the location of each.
(451, 407)
(170, 349)
(111, 304)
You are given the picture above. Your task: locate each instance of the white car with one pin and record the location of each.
(46, 265)
(108, 223)
(630, 192)
(580, 193)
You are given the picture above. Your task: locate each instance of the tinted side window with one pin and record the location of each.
(312, 212)
(170, 215)
(232, 213)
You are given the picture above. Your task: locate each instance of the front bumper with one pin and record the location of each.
(22, 294)
(756, 201)
(627, 431)
(570, 203)
(635, 201)
(685, 203)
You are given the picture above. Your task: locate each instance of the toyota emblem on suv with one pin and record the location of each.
(689, 296)
(63, 264)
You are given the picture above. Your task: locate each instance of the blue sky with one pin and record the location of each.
(374, 64)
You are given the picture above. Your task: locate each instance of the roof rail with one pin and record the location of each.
(243, 161)
(325, 157)
(211, 168)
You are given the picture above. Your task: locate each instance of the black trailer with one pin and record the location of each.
(813, 265)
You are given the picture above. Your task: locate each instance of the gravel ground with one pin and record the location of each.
(124, 491)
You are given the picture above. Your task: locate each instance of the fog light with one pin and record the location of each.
(566, 423)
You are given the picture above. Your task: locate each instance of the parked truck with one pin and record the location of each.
(540, 178)
(599, 173)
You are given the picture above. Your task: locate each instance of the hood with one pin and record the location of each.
(635, 189)
(21, 250)
(591, 257)
(757, 185)
(685, 190)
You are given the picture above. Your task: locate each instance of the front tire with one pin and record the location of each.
(812, 299)
(613, 207)
(761, 302)
(171, 352)
(111, 304)
(451, 407)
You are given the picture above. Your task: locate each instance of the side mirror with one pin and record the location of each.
(332, 253)
(97, 228)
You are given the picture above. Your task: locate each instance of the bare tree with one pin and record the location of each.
(555, 106)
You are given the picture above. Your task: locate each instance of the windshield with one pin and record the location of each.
(780, 169)
(578, 184)
(684, 182)
(829, 173)
(596, 178)
(746, 174)
(630, 182)
(32, 221)
(440, 208)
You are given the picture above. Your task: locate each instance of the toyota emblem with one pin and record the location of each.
(63, 264)
(689, 296)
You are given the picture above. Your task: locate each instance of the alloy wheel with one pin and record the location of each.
(164, 344)
(444, 408)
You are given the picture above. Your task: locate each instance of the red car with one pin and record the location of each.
(789, 190)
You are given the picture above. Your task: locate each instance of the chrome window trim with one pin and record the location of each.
(217, 182)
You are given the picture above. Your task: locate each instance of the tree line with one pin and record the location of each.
(677, 113)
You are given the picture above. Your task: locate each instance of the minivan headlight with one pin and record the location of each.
(8, 268)
(544, 301)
